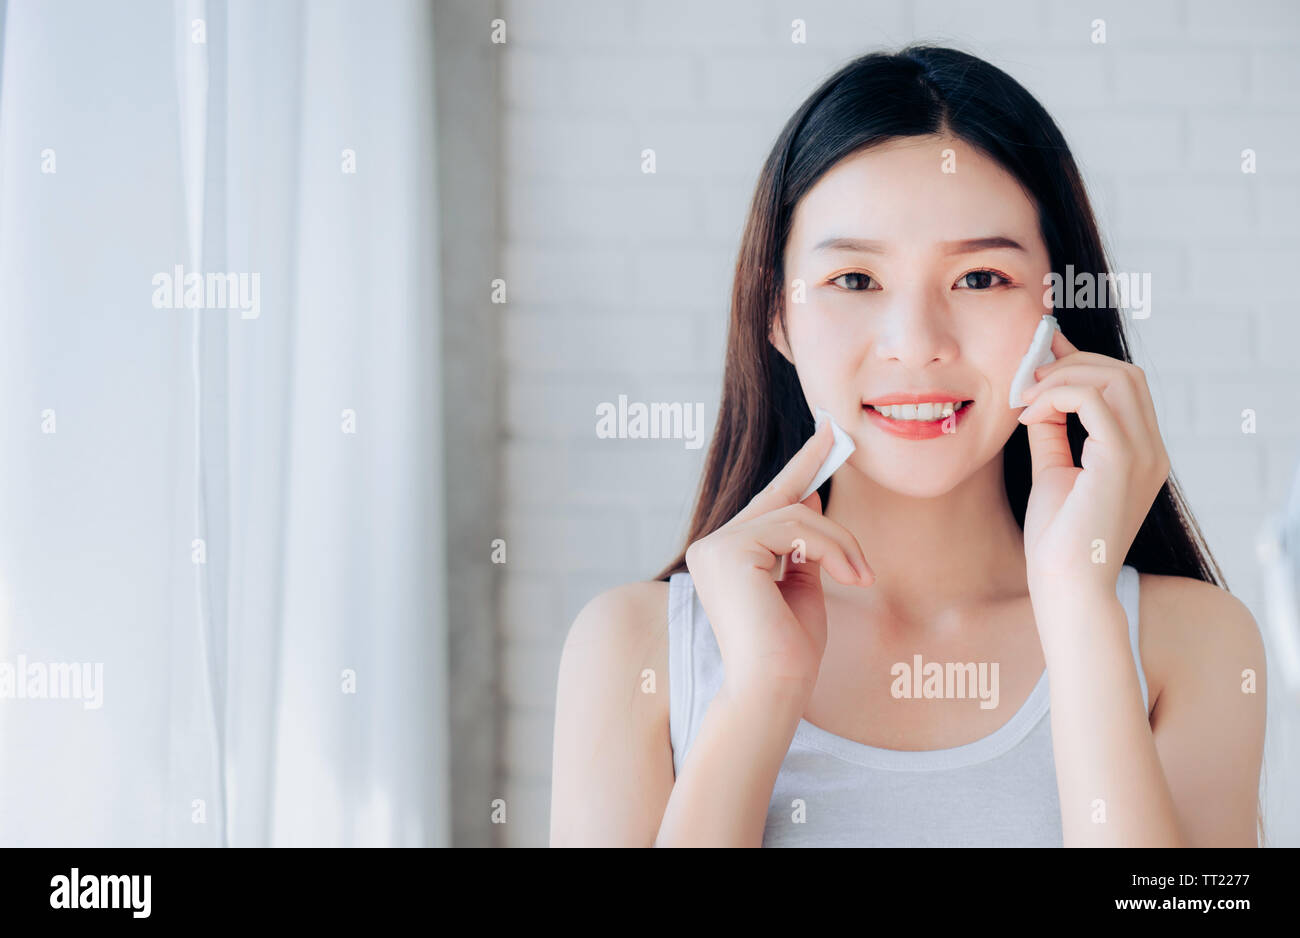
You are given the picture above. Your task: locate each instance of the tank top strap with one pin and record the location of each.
(1127, 588)
(695, 669)
(681, 683)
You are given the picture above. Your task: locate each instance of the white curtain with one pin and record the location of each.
(236, 510)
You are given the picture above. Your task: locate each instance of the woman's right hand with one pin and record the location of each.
(772, 633)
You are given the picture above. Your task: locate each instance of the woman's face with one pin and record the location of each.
(939, 297)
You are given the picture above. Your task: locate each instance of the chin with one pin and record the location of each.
(916, 479)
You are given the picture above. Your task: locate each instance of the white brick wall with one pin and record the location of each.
(619, 281)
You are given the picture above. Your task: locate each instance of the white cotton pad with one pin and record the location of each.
(841, 450)
(1039, 354)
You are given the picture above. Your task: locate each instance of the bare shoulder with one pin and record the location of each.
(1189, 627)
(1203, 651)
(632, 615)
(616, 636)
(612, 765)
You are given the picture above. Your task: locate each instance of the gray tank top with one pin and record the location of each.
(999, 791)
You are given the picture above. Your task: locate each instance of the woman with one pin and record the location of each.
(942, 647)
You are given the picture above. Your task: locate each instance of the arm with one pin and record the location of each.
(1209, 719)
(722, 796)
(1111, 784)
(612, 767)
(1194, 778)
(1190, 776)
(612, 774)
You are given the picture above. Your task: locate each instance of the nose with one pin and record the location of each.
(915, 331)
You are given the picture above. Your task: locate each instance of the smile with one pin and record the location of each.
(929, 411)
(920, 421)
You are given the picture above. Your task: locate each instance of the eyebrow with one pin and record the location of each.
(966, 246)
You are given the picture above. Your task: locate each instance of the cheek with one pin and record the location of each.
(996, 357)
(999, 351)
(1002, 361)
(826, 362)
(826, 379)
(821, 337)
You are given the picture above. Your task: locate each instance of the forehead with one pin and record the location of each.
(898, 192)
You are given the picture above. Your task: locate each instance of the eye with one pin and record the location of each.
(981, 280)
(862, 279)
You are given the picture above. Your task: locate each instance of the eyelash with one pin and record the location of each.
(1006, 281)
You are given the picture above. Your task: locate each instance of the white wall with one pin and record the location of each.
(619, 281)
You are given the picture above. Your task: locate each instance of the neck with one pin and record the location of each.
(932, 555)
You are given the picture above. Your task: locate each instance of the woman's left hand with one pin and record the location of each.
(1080, 522)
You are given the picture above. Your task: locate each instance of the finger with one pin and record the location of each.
(776, 554)
(802, 542)
(1077, 358)
(842, 535)
(1049, 440)
(1061, 346)
(807, 515)
(1119, 388)
(1049, 446)
(1063, 352)
(1072, 372)
(1084, 400)
(794, 477)
(814, 503)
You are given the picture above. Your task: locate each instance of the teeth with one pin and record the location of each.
(928, 411)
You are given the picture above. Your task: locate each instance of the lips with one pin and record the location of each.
(919, 429)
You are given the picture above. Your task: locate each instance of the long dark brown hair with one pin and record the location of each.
(921, 90)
